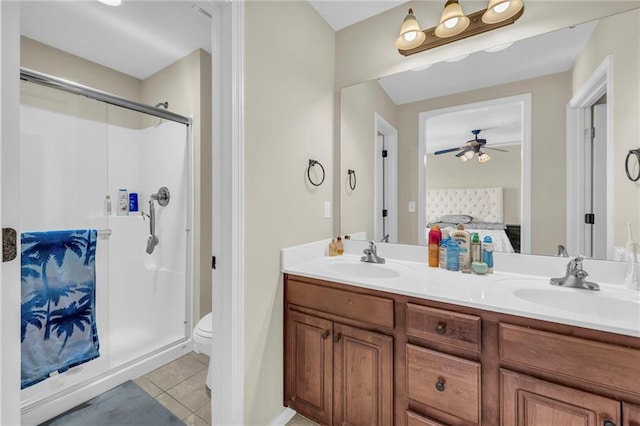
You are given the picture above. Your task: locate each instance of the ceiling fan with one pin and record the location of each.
(471, 148)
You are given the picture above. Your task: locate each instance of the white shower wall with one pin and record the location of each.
(69, 162)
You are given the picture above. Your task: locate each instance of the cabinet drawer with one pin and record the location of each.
(445, 382)
(451, 328)
(618, 367)
(363, 307)
(414, 419)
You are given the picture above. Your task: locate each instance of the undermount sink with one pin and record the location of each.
(581, 302)
(362, 270)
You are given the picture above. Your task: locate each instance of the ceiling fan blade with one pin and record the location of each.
(444, 151)
(496, 149)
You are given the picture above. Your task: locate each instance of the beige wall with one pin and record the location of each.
(359, 103)
(619, 36)
(503, 170)
(185, 84)
(550, 95)
(289, 102)
(181, 84)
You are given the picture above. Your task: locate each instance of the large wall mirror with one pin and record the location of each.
(503, 136)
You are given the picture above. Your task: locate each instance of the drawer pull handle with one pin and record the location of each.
(440, 386)
(325, 335)
(441, 328)
(608, 422)
(337, 337)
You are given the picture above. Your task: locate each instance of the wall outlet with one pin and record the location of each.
(327, 209)
(412, 206)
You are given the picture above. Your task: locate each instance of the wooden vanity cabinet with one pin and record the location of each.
(355, 356)
(630, 414)
(337, 373)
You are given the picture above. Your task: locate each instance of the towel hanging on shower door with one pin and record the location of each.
(58, 328)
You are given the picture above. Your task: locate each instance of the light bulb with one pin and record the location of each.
(469, 155)
(410, 36)
(499, 8)
(451, 23)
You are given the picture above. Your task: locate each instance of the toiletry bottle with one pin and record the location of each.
(107, 205)
(443, 250)
(476, 255)
(631, 278)
(435, 236)
(462, 238)
(453, 255)
(133, 202)
(123, 202)
(487, 253)
(339, 247)
(333, 250)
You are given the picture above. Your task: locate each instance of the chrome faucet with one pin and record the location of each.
(574, 278)
(371, 254)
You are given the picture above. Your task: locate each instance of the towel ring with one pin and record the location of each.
(635, 152)
(311, 164)
(352, 179)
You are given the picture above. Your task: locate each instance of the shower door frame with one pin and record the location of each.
(50, 405)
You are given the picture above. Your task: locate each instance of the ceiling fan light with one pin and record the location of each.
(468, 155)
(411, 36)
(453, 21)
(484, 157)
(501, 10)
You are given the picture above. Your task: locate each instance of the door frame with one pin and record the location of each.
(390, 133)
(599, 83)
(525, 166)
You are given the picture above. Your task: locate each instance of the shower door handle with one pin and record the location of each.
(9, 244)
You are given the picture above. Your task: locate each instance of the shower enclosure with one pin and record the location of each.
(77, 146)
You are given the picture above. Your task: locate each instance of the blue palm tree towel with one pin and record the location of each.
(58, 329)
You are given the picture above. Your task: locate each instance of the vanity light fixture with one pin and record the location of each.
(455, 25)
(453, 21)
(410, 34)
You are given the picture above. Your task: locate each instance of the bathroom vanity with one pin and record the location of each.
(367, 349)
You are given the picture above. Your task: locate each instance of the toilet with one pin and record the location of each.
(202, 333)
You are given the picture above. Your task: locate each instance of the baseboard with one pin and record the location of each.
(283, 418)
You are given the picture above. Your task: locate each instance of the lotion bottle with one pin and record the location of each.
(339, 247)
(333, 250)
(443, 250)
(462, 238)
(476, 251)
(123, 202)
(453, 256)
(487, 253)
(435, 236)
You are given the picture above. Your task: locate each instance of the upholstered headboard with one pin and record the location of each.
(483, 204)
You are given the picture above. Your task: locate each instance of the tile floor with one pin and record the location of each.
(180, 387)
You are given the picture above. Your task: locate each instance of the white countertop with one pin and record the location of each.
(613, 309)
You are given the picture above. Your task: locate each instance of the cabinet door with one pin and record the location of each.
(630, 414)
(527, 401)
(363, 377)
(308, 360)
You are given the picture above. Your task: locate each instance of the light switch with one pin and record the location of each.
(327, 209)
(412, 206)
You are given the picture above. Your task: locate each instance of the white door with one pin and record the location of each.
(386, 178)
(595, 183)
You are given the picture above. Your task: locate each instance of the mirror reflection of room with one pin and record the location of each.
(553, 181)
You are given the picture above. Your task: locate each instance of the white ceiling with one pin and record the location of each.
(137, 38)
(341, 14)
